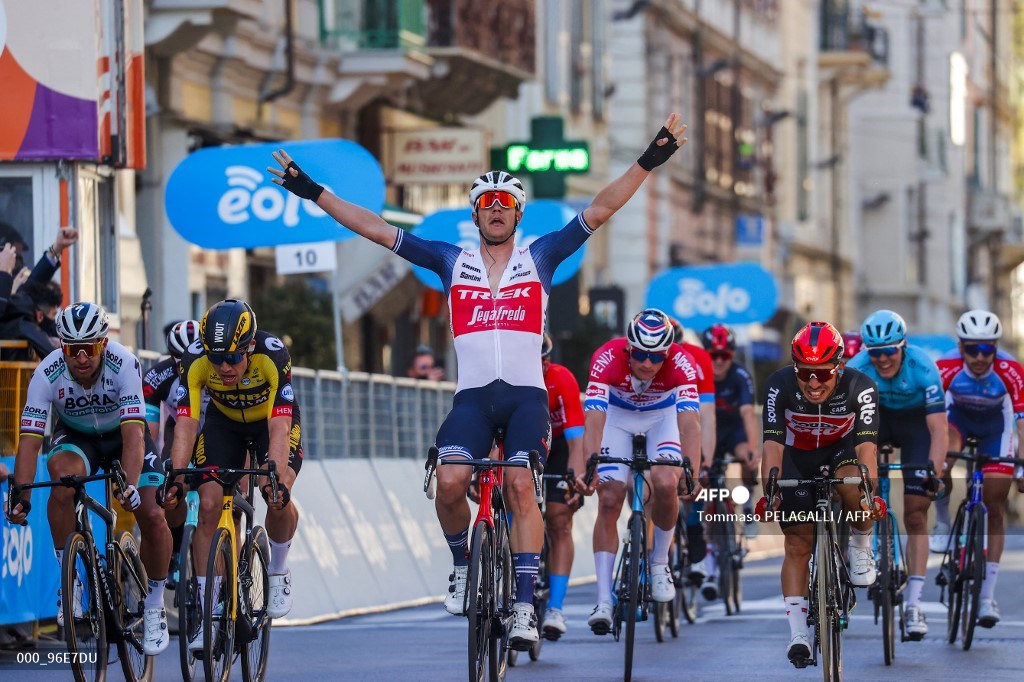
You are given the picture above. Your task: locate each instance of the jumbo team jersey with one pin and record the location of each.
(114, 399)
(497, 335)
(264, 391)
(566, 414)
(996, 396)
(916, 385)
(613, 385)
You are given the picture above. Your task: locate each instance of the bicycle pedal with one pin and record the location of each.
(551, 635)
(600, 629)
(801, 662)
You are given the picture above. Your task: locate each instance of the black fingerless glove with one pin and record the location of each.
(301, 185)
(657, 155)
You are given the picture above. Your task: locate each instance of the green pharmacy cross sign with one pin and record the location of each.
(547, 157)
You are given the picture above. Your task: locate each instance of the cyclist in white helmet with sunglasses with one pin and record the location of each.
(497, 298)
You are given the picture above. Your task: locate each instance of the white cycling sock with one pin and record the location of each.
(861, 539)
(988, 585)
(662, 543)
(603, 564)
(278, 557)
(155, 598)
(796, 613)
(915, 584)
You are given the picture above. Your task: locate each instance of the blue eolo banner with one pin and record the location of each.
(702, 295)
(223, 197)
(456, 226)
(935, 345)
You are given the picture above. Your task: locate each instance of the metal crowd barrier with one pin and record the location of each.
(363, 415)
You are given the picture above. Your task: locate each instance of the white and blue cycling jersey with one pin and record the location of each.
(497, 336)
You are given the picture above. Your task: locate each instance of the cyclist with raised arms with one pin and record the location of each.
(247, 374)
(497, 299)
(93, 387)
(984, 399)
(817, 415)
(566, 414)
(642, 383)
(912, 418)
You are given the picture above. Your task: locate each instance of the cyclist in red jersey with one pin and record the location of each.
(497, 300)
(566, 441)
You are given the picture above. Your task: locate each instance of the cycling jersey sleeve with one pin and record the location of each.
(1012, 374)
(746, 392)
(865, 427)
(601, 371)
(156, 386)
(437, 256)
(280, 378)
(132, 408)
(569, 391)
(934, 400)
(192, 379)
(37, 405)
(773, 416)
(553, 248)
(705, 372)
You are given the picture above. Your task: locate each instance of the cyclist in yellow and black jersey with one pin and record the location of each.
(247, 374)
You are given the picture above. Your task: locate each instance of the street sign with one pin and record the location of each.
(295, 259)
(547, 157)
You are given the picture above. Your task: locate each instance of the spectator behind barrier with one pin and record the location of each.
(22, 310)
(424, 365)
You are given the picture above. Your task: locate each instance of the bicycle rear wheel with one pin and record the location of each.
(219, 609)
(974, 574)
(190, 613)
(478, 600)
(131, 577)
(631, 600)
(883, 590)
(253, 594)
(85, 624)
(723, 541)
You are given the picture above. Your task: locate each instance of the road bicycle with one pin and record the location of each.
(632, 584)
(963, 566)
(726, 538)
(886, 594)
(103, 595)
(832, 597)
(542, 588)
(669, 615)
(232, 611)
(491, 578)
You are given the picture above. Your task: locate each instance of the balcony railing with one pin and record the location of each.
(503, 30)
(373, 24)
(845, 29)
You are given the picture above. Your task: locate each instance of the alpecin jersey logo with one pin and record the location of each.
(518, 307)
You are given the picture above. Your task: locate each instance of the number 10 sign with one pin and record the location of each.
(294, 259)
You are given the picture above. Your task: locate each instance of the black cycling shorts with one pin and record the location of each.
(468, 430)
(222, 442)
(98, 450)
(558, 463)
(908, 430)
(796, 463)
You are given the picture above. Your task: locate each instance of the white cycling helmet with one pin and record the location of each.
(497, 181)
(651, 330)
(82, 322)
(979, 325)
(181, 336)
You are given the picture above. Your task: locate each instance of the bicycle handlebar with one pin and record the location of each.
(218, 474)
(638, 464)
(14, 490)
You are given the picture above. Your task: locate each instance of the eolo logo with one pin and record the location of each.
(17, 557)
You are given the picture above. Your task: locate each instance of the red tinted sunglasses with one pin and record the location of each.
(805, 374)
(92, 348)
(504, 199)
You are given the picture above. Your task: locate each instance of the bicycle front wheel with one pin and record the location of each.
(85, 625)
(219, 609)
(254, 592)
(190, 613)
(884, 590)
(632, 599)
(724, 545)
(954, 561)
(131, 578)
(686, 590)
(974, 574)
(827, 592)
(478, 600)
(502, 601)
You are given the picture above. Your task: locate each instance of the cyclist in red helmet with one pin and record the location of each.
(852, 343)
(816, 414)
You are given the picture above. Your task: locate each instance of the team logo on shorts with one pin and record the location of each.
(287, 393)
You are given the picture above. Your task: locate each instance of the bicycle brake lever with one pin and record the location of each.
(430, 466)
(536, 473)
